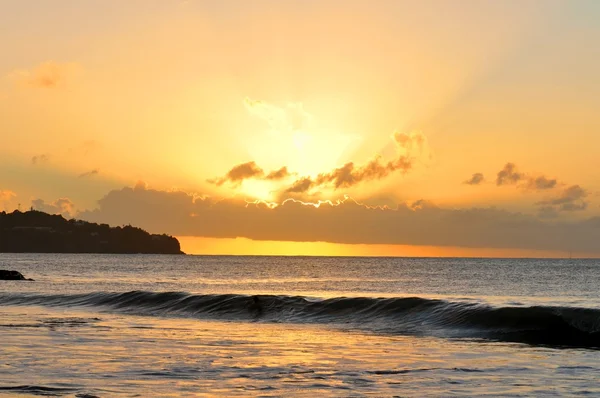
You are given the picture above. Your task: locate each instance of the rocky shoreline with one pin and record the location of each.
(6, 275)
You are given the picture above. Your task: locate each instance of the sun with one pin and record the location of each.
(297, 139)
(301, 140)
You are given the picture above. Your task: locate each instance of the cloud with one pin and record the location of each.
(6, 195)
(40, 159)
(509, 175)
(409, 145)
(419, 223)
(571, 199)
(62, 206)
(278, 174)
(250, 170)
(300, 186)
(240, 173)
(541, 183)
(476, 179)
(286, 119)
(349, 174)
(89, 173)
(47, 75)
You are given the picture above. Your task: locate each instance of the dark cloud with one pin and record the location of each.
(300, 186)
(39, 159)
(571, 199)
(62, 206)
(541, 183)
(420, 223)
(476, 179)
(250, 170)
(240, 173)
(408, 145)
(350, 174)
(89, 173)
(509, 175)
(278, 174)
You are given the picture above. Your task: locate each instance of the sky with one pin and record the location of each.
(430, 128)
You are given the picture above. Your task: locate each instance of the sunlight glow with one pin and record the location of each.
(301, 140)
(258, 189)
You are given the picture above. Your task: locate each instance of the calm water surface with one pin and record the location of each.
(120, 325)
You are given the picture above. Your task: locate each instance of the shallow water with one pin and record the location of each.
(58, 339)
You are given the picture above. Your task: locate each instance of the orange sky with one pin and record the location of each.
(243, 246)
(392, 103)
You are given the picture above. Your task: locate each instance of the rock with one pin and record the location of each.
(6, 275)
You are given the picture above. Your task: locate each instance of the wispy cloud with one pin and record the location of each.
(281, 119)
(239, 173)
(541, 183)
(89, 173)
(40, 159)
(509, 175)
(278, 174)
(476, 179)
(47, 75)
(85, 148)
(409, 146)
(249, 170)
(300, 186)
(6, 195)
(6, 199)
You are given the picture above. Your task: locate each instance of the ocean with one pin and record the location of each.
(144, 325)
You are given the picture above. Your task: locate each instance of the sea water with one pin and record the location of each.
(141, 325)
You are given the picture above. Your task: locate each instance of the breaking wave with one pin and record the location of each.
(543, 325)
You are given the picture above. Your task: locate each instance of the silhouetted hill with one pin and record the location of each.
(37, 232)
